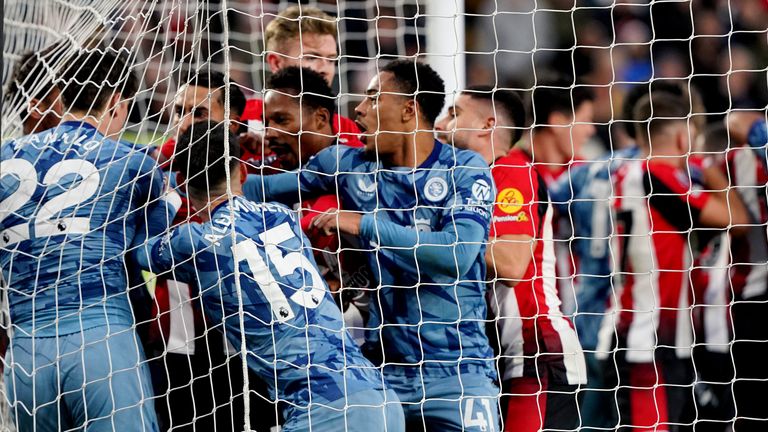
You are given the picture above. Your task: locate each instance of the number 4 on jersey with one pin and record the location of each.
(479, 417)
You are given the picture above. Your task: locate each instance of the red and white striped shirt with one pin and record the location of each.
(749, 273)
(534, 333)
(655, 206)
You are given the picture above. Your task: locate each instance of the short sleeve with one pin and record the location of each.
(516, 209)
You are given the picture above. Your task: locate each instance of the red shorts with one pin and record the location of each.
(536, 403)
(659, 396)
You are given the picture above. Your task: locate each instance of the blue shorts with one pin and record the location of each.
(465, 402)
(96, 380)
(364, 411)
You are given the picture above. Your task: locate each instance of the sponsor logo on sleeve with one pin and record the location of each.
(481, 190)
(520, 217)
(510, 200)
(423, 225)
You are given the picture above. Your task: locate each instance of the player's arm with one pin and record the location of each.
(450, 251)
(316, 177)
(724, 207)
(508, 257)
(158, 217)
(515, 221)
(162, 253)
(748, 127)
(717, 205)
(452, 246)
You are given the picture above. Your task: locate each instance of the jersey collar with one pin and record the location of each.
(434, 156)
(222, 204)
(78, 124)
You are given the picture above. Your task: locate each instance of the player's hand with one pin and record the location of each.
(344, 221)
(251, 142)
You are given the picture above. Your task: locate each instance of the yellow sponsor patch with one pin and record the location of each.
(510, 200)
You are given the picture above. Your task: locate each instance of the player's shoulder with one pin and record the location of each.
(516, 158)
(251, 214)
(666, 178)
(515, 165)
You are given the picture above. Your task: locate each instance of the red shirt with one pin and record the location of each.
(533, 332)
(656, 206)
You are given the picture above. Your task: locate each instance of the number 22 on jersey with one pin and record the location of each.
(48, 220)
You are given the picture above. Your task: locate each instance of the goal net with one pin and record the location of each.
(627, 152)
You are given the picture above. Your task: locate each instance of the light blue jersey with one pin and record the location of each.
(584, 192)
(71, 203)
(425, 231)
(252, 261)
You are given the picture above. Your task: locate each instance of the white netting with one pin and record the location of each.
(712, 55)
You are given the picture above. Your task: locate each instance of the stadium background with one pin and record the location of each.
(719, 46)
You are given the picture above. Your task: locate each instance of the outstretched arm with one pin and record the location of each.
(448, 252)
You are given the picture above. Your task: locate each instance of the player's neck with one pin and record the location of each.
(490, 151)
(664, 155)
(98, 121)
(544, 149)
(205, 209)
(415, 149)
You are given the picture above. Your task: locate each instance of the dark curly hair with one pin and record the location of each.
(418, 80)
(314, 90)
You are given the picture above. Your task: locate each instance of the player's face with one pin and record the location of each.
(571, 139)
(466, 121)
(288, 129)
(194, 104)
(379, 113)
(441, 127)
(118, 115)
(315, 51)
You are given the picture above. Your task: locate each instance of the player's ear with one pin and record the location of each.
(274, 61)
(234, 123)
(683, 141)
(243, 172)
(488, 126)
(114, 103)
(410, 110)
(34, 109)
(558, 118)
(322, 117)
